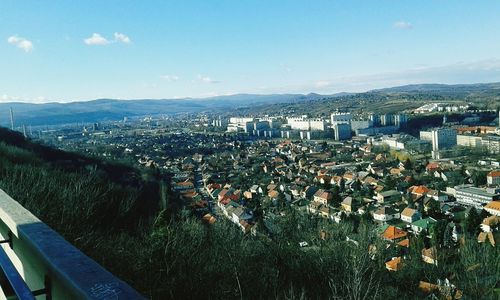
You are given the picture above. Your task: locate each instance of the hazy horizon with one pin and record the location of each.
(47, 101)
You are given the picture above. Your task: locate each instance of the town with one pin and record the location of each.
(426, 191)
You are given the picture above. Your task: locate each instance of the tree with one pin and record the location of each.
(342, 185)
(448, 241)
(356, 186)
(472, 221)
(478, 178)
(408, 164)
(437, 233)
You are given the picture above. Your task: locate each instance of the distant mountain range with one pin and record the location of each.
(112, 109)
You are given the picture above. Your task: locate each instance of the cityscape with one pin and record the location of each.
(381, 186)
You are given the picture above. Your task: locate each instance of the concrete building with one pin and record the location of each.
(377, 130)
(340, 118)
(237, 124)
(375, 120)
(426, 135)
(302, 123)
(386, 120)
(360, 124)
(473, 196)
(491, 143)
(400, 120)
(342, 131)
(443, 138)
(469, 140)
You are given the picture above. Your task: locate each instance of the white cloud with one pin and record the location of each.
(21, 43)
(96, 39)
(170, 78)
(402, 25)
(206, 79)
(120, 37)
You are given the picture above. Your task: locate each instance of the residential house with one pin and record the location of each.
(209, 219)
(490, 224)
(388, 196)
(431, 167)
(410, 215)
(323, 197)
(417, 191)
(423, 225)
(349, 204)
(324, 211)
(437, 195)
(493, 178)
(395, 264)
(393, 234)
(493, 208)
(314, 207)
(384, 214)
(429, 255)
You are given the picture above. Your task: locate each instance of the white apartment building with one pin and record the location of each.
(473, 196)
(302, 123)
(340, 118)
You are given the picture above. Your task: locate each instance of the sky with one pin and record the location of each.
(66, 50)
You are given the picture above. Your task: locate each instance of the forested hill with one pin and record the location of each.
(94, 204)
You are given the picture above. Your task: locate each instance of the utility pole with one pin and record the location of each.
(11, 119)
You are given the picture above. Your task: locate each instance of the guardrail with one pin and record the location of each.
(37, 262)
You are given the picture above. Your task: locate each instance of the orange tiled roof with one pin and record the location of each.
(404, 243)
(394, 264)
(394, 233)
(493, 205)
(494, 174)
(431, 166)
(419, 189)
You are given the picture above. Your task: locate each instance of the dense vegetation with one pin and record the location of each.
(111, 212)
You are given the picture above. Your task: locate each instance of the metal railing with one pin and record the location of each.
(36, 261)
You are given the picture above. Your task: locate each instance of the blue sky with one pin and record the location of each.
(81, 50)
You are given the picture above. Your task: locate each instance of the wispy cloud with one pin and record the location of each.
(402, 25)
(206, 79)
(170, 78)
(460, 72)
(98, 39)
(120, 37)
(21, 43)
